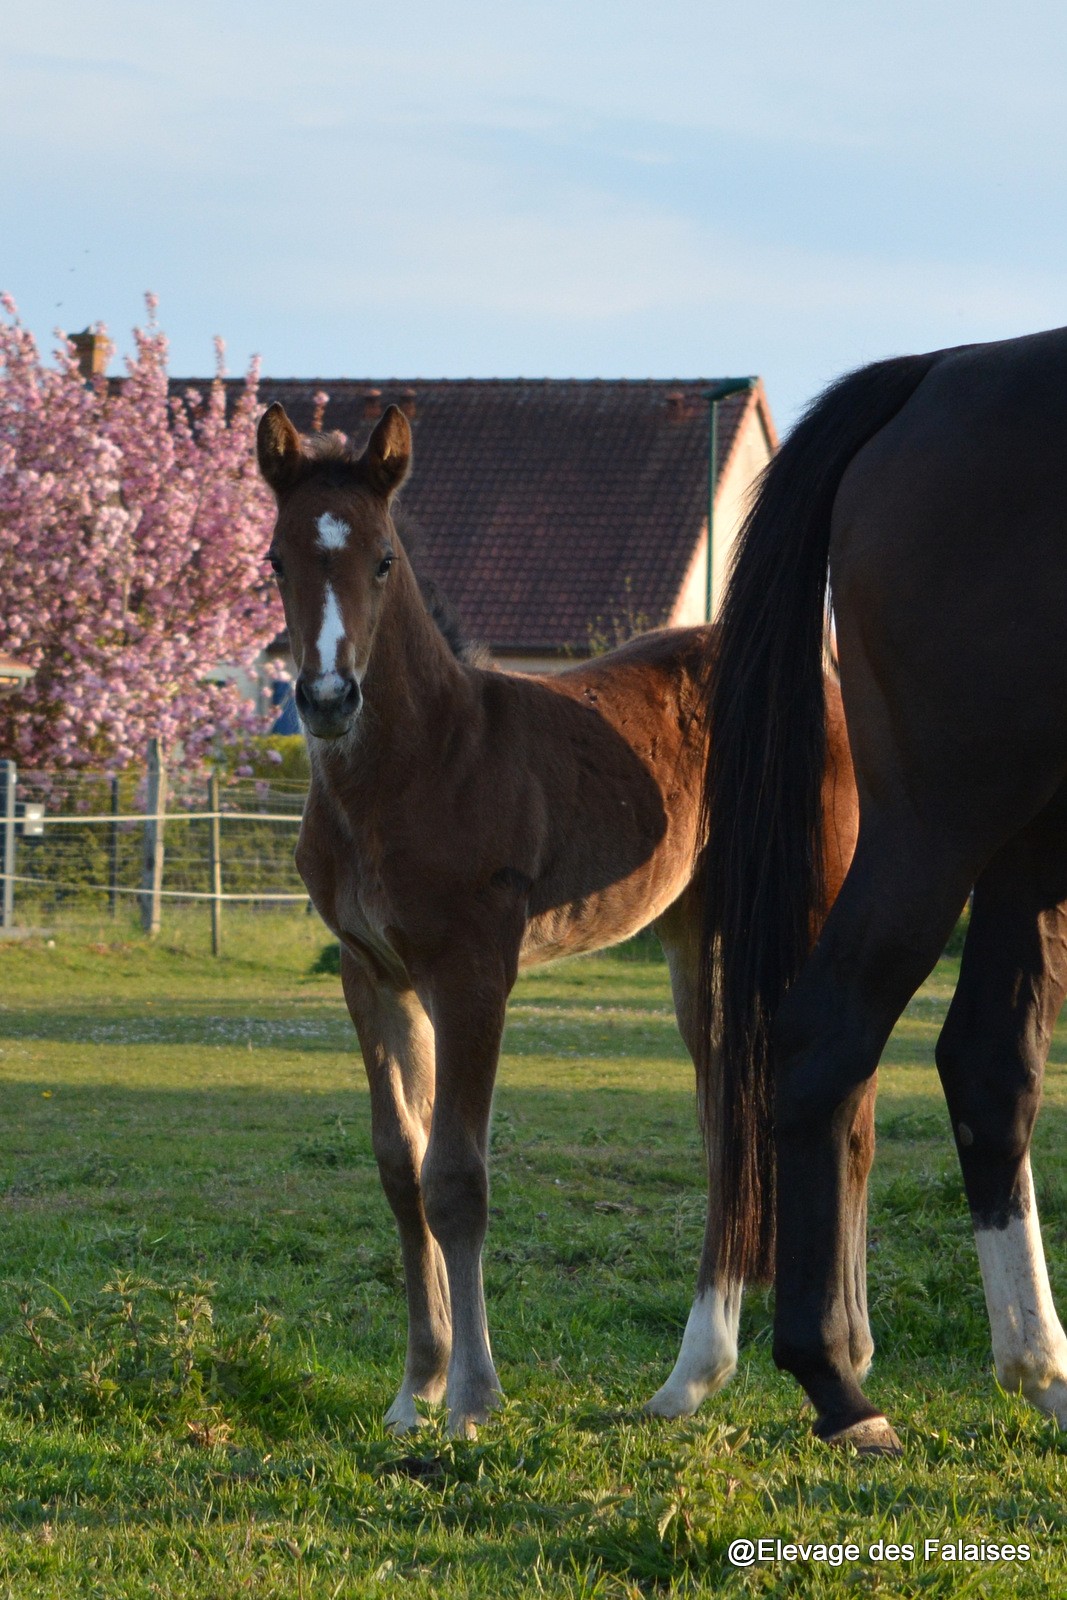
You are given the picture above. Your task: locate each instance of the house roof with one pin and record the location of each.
(547, 510)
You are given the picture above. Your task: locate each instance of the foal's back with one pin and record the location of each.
(612, 756)
(611, 779)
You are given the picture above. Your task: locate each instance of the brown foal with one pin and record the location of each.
(463, 823)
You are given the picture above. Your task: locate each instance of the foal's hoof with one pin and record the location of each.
(464, 1427)
(402, 1416)
(1049, 1397)
(465, 1420)
(871, 1437)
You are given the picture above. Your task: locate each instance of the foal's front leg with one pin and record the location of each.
(466, 1002)
(398, 1049)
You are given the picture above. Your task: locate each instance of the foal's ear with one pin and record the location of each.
(388, 453)
(278, 448)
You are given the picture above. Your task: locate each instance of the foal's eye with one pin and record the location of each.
(383, 566)
(276, 566)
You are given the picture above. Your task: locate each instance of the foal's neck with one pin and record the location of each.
(414, 691)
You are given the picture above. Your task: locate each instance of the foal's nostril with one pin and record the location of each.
(300, 695)
(336, 698)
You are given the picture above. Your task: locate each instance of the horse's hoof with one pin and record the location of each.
(669, 1405)
(683, 1395)
(871, 1437)
(676, 1400)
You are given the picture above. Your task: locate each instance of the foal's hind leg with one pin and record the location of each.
(991, 1057)
(708, 1355)
(398, 1050)
(854, 1257)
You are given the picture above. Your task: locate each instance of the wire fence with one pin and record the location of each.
(83, 843)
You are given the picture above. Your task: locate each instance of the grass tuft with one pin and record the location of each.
(151, 1352)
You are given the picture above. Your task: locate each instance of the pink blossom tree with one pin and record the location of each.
(132, 533)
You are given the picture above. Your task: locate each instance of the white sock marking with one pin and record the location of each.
(333, 531)
(708, 1356)
(1029, 1345)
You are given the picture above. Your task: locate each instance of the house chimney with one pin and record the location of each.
(677, 410)
(92, 350)
(407, 402)
(372, 405)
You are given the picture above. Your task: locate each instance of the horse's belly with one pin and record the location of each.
(597, 921)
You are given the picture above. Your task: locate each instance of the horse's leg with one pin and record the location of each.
(466, 999)
(397, 1043)
(708, 1355)
(883, 934)
(991, 1057)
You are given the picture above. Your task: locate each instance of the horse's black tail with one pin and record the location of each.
(764, 897)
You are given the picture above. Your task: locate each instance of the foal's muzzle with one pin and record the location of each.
(328, 709)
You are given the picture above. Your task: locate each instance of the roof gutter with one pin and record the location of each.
(715, 396)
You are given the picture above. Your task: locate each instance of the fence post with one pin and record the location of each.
(152, 870)
(8, 782)
(216, 865)
(113, 852)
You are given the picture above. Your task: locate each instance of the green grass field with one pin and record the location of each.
(202, 1318)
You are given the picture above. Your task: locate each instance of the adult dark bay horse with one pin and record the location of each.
(933, 490)
(462, 823)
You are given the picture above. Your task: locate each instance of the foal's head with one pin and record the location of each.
(333, 548)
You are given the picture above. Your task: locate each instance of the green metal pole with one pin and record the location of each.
(8, 792)
(722, 391)
(713, 474)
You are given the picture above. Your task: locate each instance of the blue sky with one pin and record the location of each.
(585, 189)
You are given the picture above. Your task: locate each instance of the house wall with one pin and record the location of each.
(751, 453)
(690, 605)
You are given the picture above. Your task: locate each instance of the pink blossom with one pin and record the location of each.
(132, 530)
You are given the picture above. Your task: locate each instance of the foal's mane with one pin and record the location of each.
(333, 460)
(441, 609)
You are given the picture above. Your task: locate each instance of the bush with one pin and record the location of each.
(152, 1351)
(328, 960)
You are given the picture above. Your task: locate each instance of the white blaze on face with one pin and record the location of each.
(333, 535)
(333, 531)
(328, 681)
